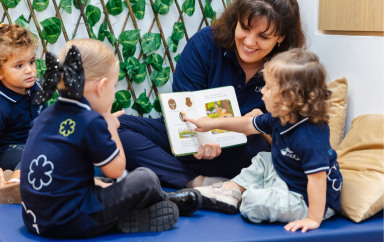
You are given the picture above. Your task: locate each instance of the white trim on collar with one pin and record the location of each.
(75, 102)
(293, 126)
(5, 95)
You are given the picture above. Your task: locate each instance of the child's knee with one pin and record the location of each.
(146, 177)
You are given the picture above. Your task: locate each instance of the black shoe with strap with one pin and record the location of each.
(188, 200)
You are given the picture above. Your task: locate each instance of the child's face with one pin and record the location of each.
(19, 72)
(271, 94)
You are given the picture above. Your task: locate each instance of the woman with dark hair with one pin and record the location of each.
(231, 52)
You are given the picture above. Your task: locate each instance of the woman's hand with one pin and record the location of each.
(254, 113)
(208, 152)
(303, 224)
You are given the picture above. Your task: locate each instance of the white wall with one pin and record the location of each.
(359, 58)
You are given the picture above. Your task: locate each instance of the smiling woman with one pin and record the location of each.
(230, 53)
(253, 43)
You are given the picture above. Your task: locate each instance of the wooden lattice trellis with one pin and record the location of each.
(147, 36)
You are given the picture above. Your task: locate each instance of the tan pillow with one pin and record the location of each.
(361, 160)
(337, 110)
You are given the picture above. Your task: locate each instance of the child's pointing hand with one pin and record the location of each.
(203, 124)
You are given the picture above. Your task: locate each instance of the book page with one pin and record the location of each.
(215, 103)
(176, 106)
(219, 103)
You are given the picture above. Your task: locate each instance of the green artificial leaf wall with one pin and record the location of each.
(10, 3)
(145, 38)
(142, 104)
(40, 5)
(52, 29)
(159, 78)
(155, 60)
(150, 42)
(139, 9)
(40, 67)
(76, 4)
(189, 7)
(66, 5)
(93, 15)
(115, 7)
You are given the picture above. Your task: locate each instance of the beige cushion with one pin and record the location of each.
(337, 110)
(361, 160)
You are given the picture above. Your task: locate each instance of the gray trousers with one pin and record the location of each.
(139, 189)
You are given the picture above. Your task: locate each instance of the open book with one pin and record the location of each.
(216, 103)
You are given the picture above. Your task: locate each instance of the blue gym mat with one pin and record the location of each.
(206, 225)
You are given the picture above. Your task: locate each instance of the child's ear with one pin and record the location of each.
(100, 85)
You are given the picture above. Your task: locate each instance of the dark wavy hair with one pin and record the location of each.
(14, 38)
(303, 87)
(283, 15)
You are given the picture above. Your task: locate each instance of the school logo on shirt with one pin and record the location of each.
(332, 176)
(67, 127)
(289, 153)
(28, 211)
(40, 171)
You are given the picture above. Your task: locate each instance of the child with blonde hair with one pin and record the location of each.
(76, 133)
(17, 89)
(299, 181)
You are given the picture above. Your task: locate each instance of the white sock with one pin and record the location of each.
(209, 181)
(125, 173)
(15, 180)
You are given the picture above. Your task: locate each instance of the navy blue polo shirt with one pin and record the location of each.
(302, 149)
(203, 64)
(65, 143)
(16, 115)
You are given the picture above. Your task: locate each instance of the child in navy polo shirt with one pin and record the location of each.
(76, 133)
(17, 88)
(299, 181)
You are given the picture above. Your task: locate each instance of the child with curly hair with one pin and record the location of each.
(299, 181)
(17, 89)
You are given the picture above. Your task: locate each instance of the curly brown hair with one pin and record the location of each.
(303, 87)
(14, 38)
(283, 15)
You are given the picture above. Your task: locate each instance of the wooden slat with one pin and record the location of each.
(351, 15)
